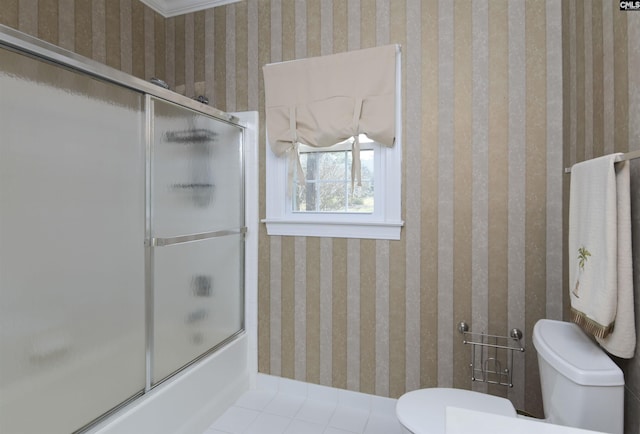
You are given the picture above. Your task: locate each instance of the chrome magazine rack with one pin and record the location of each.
(492, 355)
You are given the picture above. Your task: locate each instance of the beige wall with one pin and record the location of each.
(601, 64)
(482, 193)
(124, 34)
(482, 180)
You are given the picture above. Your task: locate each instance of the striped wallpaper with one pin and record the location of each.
(482, 198)
(497, 95)
(601, 77)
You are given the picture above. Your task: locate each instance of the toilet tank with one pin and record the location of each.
(581, 386)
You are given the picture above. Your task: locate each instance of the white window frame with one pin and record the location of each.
(384, 223)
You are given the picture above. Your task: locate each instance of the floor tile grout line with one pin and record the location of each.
(325, 425)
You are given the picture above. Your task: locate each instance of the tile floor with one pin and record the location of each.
(283, 406)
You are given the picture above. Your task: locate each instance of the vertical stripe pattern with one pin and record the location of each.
(189, 55)
(498, 96)
(275, 309)
(517, 198)
(300, 297)
(498, 206)
(28, 16)
(461, 162)
(554, 167)
(123, 34)
(357, 345)
(230, 51)
(353, 315)
(98, 31)
(413, 197)
(480, 164)
(326, 311)
(445, 192)
(429, 185)
(66, 18)
(535, 186)
(382, 318)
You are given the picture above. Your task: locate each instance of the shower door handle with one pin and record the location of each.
(160, 242)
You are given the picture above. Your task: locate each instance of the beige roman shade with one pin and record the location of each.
(325, 100)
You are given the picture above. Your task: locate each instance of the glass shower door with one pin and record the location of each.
(197, 222)
(72, 333)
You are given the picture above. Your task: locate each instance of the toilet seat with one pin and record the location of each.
(424, 411)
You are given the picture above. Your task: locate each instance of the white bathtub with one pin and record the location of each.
(191, 400)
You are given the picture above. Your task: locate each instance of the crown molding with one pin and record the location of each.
(171, 8)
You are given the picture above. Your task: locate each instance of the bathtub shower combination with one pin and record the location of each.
(122, 240)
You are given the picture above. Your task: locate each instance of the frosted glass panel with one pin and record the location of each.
(197, 299)
(196, 173)
(71, 246)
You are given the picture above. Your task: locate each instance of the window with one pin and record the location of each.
(310, 105)
(326, 205)
(328, 186)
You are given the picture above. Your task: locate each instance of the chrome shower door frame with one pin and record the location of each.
(27, 45)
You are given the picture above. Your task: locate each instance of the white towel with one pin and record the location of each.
(600, 272)
(622, 341)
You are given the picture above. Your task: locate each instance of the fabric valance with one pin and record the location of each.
(325, 100)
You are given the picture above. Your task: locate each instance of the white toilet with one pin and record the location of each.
(581, 387)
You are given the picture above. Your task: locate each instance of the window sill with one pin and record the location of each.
(367, 230)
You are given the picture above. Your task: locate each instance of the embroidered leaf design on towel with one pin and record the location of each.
(583, 257)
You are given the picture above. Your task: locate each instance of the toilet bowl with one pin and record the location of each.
(581, 387)
(424, 411)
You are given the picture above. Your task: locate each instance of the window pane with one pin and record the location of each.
(366, 165)
(332, 165)
(328, 183)
(362, 198)
(332, 196)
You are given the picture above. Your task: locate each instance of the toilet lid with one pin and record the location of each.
(424, 411)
